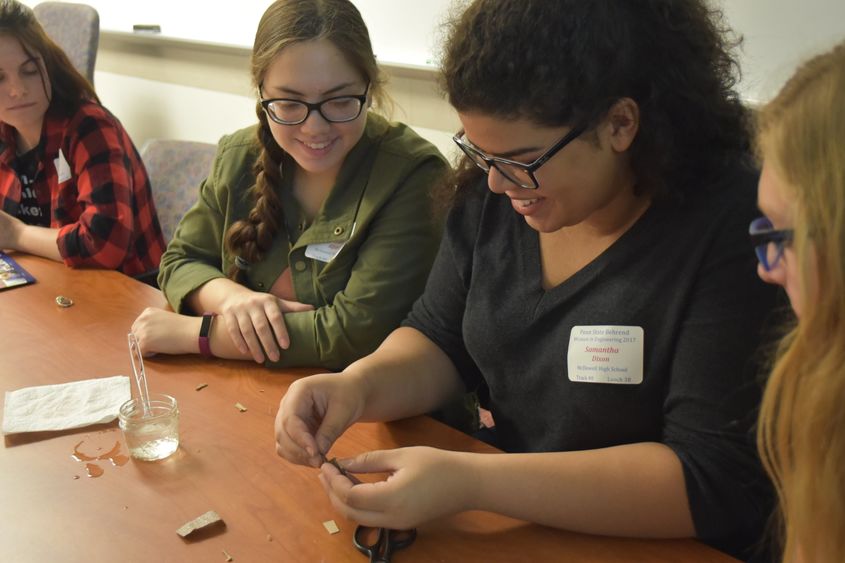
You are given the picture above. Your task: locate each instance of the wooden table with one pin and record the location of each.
(52, 511)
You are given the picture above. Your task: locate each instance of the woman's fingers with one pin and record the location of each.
(277, 324)
(338, 487)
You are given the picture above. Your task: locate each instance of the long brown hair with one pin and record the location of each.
(566, 62)
(801, 434)
(285, 23)
(69, 87)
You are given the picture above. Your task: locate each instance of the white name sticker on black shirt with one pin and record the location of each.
(606, 354)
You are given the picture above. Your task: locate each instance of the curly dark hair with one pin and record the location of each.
(564, 62)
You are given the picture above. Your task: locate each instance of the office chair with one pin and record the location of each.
(176, 169)
(76, 29)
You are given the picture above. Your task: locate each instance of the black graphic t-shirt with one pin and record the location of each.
(35, 207)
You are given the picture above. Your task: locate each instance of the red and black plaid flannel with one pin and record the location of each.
(100, 196)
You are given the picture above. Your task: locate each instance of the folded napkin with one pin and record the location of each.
(64, 406)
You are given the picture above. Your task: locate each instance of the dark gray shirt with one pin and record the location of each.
(683, 273)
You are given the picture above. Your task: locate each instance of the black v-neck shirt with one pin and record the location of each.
(685, 274)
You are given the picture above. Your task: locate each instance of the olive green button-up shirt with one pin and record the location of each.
(379, 210)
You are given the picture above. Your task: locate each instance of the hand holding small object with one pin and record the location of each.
(377, 543)
(423, 484)
(313, 413)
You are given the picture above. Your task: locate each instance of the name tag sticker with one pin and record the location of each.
(62, 168)
(606, 354)
(324, 251)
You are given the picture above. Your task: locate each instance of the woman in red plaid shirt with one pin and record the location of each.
(72, 185)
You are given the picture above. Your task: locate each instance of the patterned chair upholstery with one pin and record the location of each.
(76, 29)
(176, 169)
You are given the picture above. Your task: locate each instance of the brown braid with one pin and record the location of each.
(250, 238)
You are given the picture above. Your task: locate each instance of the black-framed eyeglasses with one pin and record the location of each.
(338, 109)
(768, 242)
(519, 173)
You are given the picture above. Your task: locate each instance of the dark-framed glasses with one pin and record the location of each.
(338, 109)
(519, 173)
(768, 242)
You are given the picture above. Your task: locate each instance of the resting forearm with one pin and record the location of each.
(633, 490)
(221, 344)
(211, 295)
(40, 241)
(407, 375)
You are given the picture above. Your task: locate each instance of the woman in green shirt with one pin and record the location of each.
(312, 235)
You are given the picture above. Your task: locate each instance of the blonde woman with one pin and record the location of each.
(801, 246)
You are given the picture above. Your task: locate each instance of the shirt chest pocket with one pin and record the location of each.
(334, 276)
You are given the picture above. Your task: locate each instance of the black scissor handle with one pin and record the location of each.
(387, 541)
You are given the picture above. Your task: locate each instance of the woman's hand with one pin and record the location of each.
(314, 412)
(256, 324)
(424, 484)
(9, 231)
(166, 332)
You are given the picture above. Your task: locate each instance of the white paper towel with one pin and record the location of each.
(66, 405)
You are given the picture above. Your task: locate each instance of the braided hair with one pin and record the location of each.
(287, 22)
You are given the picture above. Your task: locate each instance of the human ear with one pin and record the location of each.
(623, 119)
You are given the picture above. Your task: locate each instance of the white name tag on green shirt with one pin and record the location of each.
(324, 251)
(606, 354)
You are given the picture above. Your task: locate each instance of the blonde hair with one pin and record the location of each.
(284, 23)
(801, 433)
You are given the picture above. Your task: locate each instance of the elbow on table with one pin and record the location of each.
(79, 246)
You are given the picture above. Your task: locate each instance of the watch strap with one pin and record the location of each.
(205, 330)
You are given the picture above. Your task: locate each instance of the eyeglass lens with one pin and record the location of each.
(334, 109)
(770, 251)
(515, 174)
(769, 254)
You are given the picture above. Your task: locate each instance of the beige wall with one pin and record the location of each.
(166, 88)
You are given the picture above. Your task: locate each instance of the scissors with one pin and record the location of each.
(386, 542)
(377, 543)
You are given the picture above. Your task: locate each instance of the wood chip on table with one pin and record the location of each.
(331, 526)
(240, 407)
(210, 518)
(228, 556)
(201, 386)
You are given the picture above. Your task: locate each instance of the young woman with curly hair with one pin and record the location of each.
(594, 285)
(313, 234)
